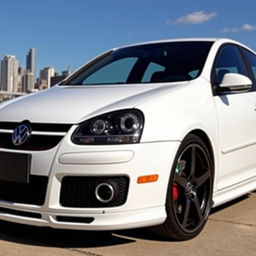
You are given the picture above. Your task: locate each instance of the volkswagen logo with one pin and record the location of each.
(21, 134)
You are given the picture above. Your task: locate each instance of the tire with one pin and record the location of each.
(189, 193)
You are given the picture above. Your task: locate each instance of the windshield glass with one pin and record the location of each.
(151, 63)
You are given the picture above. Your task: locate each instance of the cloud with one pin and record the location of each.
(194, 18)
(246, 27)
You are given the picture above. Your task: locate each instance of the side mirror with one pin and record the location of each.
(233, 82)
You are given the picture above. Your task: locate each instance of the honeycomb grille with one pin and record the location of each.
(80, 191)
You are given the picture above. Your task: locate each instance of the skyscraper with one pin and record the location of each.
(46, 74)
(28, 84)
(31, 63)
(9, 74)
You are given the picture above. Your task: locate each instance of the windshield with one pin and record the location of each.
(151, 63)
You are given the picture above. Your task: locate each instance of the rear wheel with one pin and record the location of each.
(189, 195)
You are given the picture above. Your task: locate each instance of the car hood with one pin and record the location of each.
(73, 104)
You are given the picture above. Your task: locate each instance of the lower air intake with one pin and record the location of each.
(80, 191)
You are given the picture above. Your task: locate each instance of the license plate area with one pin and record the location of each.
(15, 167)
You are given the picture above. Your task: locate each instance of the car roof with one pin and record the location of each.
(217, 41)
(227, 40)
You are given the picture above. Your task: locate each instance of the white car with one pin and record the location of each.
(153, 134)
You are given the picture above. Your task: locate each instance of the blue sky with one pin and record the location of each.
(71, 32)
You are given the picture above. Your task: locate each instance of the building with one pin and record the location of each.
(31, 64)
(9, 74)
(58, 78)
(21, 73)
(45, 76)
(28, 84)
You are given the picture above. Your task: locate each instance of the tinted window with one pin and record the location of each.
(252, 61)
(228, 60)
(151, 63)
(152, 68)
(114, 73)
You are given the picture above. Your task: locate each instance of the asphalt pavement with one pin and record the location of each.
(231, 230)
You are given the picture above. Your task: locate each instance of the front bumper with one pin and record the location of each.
(101, 222)
(144, 205)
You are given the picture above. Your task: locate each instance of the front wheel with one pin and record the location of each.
(189, 195)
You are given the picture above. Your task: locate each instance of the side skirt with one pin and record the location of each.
(232, 192)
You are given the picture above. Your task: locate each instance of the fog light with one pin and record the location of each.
(106, 192)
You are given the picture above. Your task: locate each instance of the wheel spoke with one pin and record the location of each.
(186, 212)
(180, 181)
(198, 207)
(202, 179)
(193, 162)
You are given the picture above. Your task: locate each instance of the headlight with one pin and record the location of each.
(119, 127)
(129, 123)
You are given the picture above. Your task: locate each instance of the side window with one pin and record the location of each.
(251, 60)
(229, 60)
(150, 72)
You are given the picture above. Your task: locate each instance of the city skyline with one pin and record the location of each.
(16, 79)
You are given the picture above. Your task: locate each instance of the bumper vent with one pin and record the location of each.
(32, 193)
(80, 191)
(86, 220)
(21, 213)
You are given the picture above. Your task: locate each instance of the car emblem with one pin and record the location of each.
(21, 134)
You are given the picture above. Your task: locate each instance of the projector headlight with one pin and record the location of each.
(119, 127)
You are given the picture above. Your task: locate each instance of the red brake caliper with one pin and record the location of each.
(175, 192)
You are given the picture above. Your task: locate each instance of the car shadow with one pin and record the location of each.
(41, 236)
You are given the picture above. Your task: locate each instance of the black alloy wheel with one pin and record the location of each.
(189, 195)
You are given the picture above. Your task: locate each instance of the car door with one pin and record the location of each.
(236, 112)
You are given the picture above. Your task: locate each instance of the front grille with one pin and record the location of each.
(80, 191)
(43, 127)
(37, 141)
(26, 193)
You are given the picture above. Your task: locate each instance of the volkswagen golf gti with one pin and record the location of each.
(148, 135)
